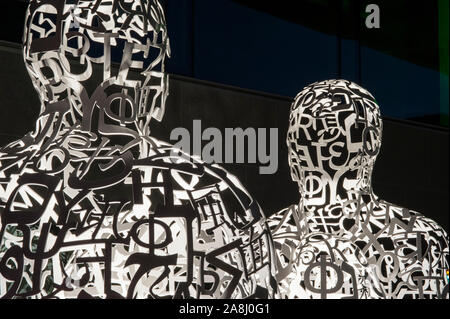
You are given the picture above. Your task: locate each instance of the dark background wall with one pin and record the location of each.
(412, 169)
(276, 50)
(281, 46)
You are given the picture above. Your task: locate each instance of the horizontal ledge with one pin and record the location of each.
(16, 48)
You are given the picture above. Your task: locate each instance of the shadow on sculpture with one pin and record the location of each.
(341, 240)
(90, 204)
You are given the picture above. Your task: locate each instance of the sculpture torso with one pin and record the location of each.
(318, 265)
(396, 253)
(81, 217)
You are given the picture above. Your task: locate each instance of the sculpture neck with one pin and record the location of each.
(95, 114)
(59, 120)
(323, 198)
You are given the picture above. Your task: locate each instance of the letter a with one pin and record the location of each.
(373, 19)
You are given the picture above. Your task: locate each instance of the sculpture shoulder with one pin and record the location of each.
(435, 241)
(431, 227)
(190, 174)
(409, 250)
(400, 220)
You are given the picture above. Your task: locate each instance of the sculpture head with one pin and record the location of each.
(73, 47)
(334, 136)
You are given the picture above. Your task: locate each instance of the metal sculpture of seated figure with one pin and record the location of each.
(341, 240)
(91, 205)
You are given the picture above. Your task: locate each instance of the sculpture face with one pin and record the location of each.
(71, 47)
(335, 130)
